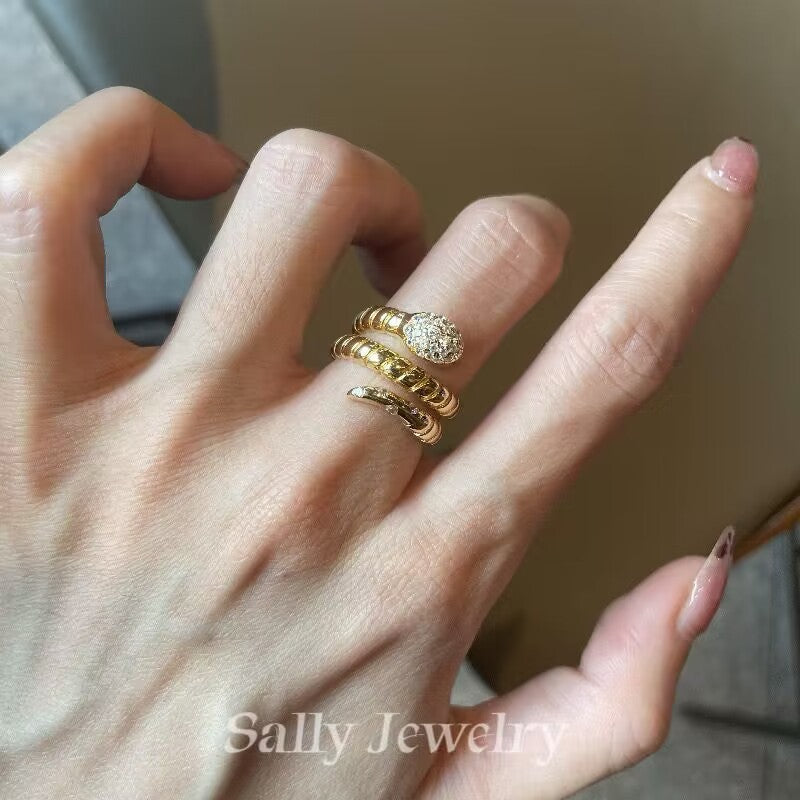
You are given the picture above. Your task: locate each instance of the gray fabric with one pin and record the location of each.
(161, 47)
(147, 269)
(744, 663)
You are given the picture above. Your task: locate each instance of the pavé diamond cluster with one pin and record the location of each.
(433, 337)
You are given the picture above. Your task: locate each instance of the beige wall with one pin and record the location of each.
(600, 106)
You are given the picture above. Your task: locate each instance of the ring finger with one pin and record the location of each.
(495, 261)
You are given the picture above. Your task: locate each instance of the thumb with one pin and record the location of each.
(570, 727)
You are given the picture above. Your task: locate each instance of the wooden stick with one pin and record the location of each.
(779, 522)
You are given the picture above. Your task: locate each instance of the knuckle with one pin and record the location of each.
(127, 97)
(677, 229)
(685, 220)
(28, 195)
(514, 234)
(421, 568)
(441, 560)
(303, 162)
(630, 349)
(34, 188)
(648, 727)
(432, 565)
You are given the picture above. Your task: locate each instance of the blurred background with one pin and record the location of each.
(599, 106)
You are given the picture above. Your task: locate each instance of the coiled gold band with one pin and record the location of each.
(398, 369)
(431, 337)
(426, 427)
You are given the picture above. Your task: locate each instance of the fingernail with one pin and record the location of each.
(241, 164)
(708, 588)
(241, 173)
(734, 165)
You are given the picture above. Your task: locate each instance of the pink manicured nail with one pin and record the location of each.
(708, 588)
(734, 166)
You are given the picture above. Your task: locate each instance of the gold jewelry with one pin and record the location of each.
(398, 369)
(431, 336)
(426, 427)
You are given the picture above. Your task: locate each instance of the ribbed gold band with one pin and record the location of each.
(426, 427)
(381, 318)
(398, 369)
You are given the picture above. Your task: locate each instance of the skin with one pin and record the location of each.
(207, 528)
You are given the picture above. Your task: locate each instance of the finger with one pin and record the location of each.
(307, 196)
(613, 350)
(495, 262)
(94, 152)
(608, 714)
(56, 183)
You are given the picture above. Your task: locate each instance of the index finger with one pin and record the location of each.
(53, 187)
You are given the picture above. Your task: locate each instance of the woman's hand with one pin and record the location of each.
(206, 530)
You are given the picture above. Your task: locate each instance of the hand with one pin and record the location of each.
(207, 529)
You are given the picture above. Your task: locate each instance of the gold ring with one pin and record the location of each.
(426, 427)
(431, 336)
(398, 369)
